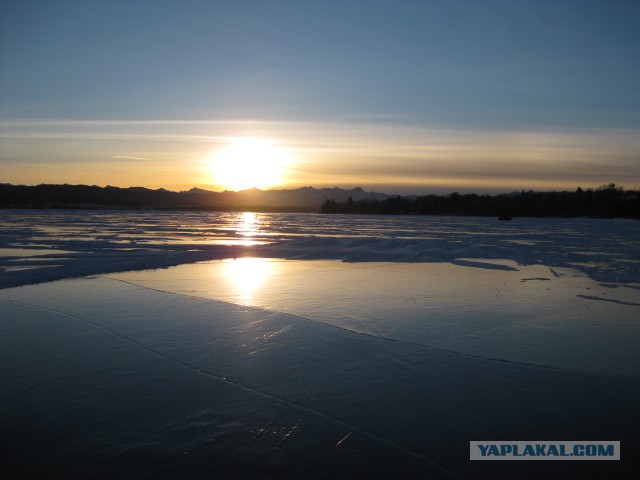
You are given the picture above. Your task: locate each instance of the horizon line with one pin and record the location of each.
(602, 185)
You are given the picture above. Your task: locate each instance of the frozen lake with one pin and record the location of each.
(272, 358)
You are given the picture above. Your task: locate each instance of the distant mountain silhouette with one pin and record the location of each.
(306, 199)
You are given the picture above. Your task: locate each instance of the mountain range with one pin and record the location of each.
(305, 199)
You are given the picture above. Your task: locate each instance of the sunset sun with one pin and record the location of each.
(249, 162)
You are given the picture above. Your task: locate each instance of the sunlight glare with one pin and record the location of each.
(247, 275)
(248, 163)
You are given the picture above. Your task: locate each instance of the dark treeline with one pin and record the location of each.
(609, 201)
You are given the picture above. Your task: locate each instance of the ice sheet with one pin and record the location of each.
(493, 308)
(106, 379)
(430, 332)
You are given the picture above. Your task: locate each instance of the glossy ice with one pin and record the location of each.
(261, 365)
(498, 309)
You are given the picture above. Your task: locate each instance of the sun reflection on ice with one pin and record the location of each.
(248, 224)
(247, 228)
(247, 275)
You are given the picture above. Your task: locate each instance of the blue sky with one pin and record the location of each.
(475, 88)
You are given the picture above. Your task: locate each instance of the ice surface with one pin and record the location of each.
(311, 346)
(494, 309)
(105, 379)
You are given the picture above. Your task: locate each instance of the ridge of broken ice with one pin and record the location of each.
(45, 245)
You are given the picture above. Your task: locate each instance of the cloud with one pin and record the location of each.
(130, 157)
(330, 153)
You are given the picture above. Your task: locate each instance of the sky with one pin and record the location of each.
(393, 96)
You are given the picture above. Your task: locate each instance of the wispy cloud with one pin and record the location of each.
(329, 153)
(130, 157)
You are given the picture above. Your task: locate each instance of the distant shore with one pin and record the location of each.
(607, 201)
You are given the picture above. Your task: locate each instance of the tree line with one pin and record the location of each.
(607, 201)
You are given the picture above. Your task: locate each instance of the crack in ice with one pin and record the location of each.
(432, 464)
(379, 337)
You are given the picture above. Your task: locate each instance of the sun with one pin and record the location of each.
(249, 162)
